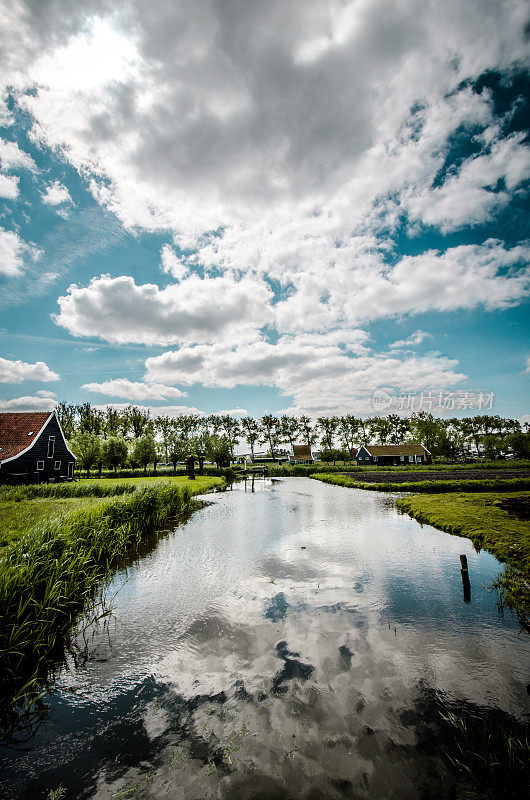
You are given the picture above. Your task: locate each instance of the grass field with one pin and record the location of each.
(22, 507)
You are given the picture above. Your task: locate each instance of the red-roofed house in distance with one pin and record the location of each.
(33, 448)
(301, 454)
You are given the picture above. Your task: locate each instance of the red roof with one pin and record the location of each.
(301, 452)
(19, 429)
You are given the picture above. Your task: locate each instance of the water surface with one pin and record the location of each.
(294, 641)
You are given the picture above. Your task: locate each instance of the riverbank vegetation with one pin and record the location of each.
(50, 569)
(433, 486)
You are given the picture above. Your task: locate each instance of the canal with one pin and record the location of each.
(292, 639)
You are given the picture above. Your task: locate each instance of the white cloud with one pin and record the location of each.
(118, 310)
(320, 377)
(184, 126)
(18, 371)
(27, 403)
(232, 412)
(56, 194)
(9, 186)
(411, 341)
(527, 364)
(13, 251)
(46, 393)
(172, 264)
(281, 144)
(12, 157)
(133, 391)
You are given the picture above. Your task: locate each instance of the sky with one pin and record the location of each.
(299, 206)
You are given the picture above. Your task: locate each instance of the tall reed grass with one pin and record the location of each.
(63, 490)
(48, 575)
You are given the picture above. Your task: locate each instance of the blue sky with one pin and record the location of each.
(205, 207)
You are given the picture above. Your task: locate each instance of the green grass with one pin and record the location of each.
(16, 518)
(287, 470)
(464, 485)
(56, 559)
(23, 506)
(479, 518)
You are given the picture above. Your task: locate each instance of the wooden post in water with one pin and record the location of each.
(465, 578)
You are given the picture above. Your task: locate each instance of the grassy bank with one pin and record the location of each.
(21, 507)
(479, 517)
(52, 568)
(438, 486)
(305, 470)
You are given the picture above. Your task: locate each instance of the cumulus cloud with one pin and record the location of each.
(411, 341)
(133, 390)
(172, 264)
(12, 157)
(281, 145)
(18, 371)
(319, 376)
(56, 194)
(241, 114)
(9, 186)
(195, 310)
(28, 403)
(13, 252)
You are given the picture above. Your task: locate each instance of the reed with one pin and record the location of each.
(493, 755)
(51, 572)
(18, 494)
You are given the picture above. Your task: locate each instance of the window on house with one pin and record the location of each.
(402, 458)
(51, 446)
(70, 469)
(57, 465)
(40, 465)
(375, 458)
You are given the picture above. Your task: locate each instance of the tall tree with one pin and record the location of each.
(138, 420)
(114, 452)
(86, 447)
(290, 428)
(271, 433)
(250, 429)
(66, 414)
(307, 430)
(144, 451)
(328, 428)
(230, 428)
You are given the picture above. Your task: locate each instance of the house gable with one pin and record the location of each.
(33, 447)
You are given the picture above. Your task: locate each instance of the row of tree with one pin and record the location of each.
(113, 437)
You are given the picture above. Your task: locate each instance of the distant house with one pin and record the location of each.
(393, 454)
(301, 454)
(33, 448)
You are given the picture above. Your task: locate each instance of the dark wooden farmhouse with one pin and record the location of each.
(301, 454)
(33, 448)
(393, 454)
